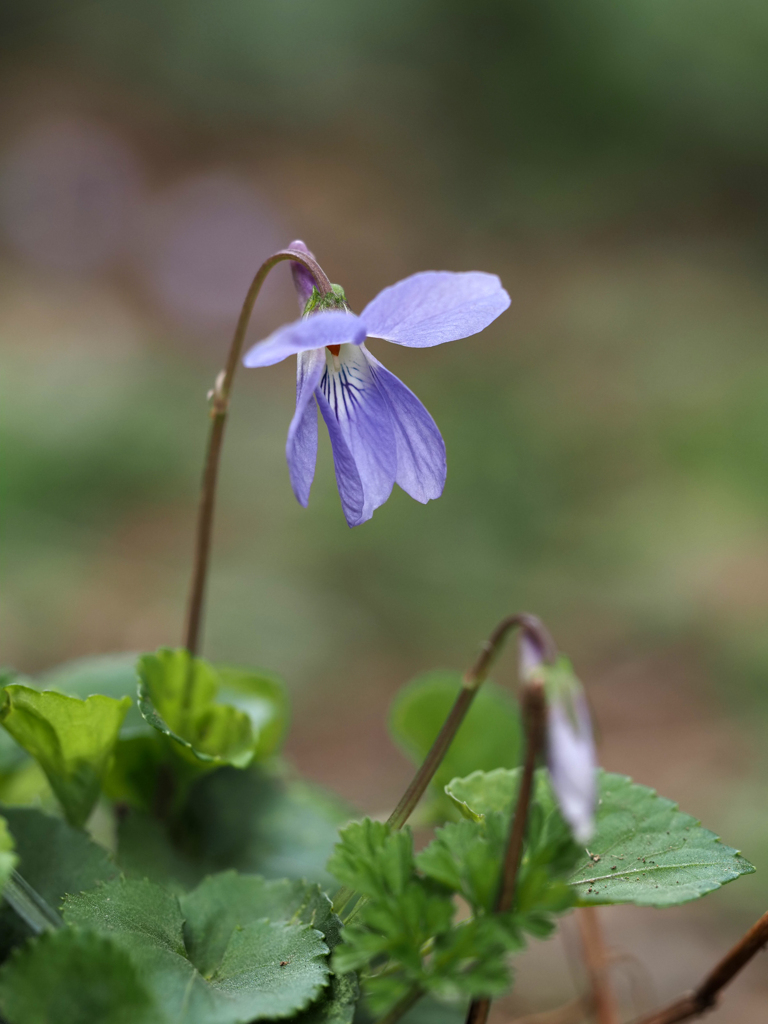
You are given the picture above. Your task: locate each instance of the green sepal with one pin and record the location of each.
(71, 739)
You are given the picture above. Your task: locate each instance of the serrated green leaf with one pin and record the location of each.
(490, 736)
(373, 859)
(649, 852)
(227, 901)
(466, 857)
(8, 857)
(71, 739)
(55, 859)
(267, 969)
(177, 696)
(75, 977)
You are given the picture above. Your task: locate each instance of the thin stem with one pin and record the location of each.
(473, 680)
(219, 409)
(535, 716)
(705, 996)
(596, 962)
(402, 1007)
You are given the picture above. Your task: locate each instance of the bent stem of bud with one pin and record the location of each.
(473, 680)
(535, 717)
(219, 408)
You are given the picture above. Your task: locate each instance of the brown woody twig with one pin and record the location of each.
(704, 997)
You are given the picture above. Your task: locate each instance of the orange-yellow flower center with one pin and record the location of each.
(334, 349)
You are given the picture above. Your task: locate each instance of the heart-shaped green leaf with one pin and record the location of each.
(227, 963)
(71, 739)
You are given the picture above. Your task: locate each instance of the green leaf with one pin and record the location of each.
(134, 771)
(483, 793)
(177, 696)
(229, 900)
(373, 859)
(262, 697)
(402, 936)
(113, 675)
(8, 858)
(225, 902)
(468, 856)
(232, 973)
(646, 851)
(490, 736)
(256, 822)
(71, 739)
(55, 859)
(75, 977)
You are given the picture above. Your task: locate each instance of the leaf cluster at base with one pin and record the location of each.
(406, 935)
(238, 948)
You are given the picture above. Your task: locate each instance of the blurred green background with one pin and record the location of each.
(607, 437)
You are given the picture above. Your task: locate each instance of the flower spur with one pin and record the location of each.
(380, 432)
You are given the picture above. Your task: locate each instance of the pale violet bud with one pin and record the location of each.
(530, 656)
(571, 750)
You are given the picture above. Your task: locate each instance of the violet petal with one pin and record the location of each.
(435, 306)
(301, 447)
(421, 465)
(573, 765)
(359, 422)
(333, 327)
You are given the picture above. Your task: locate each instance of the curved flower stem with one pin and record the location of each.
(219, 408)
(535, 715)
(473, 680)
(704, 997)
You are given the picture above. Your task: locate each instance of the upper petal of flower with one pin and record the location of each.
(301, 447)
(435, 306)
(421, 462)
(333, 327)
(360, 426)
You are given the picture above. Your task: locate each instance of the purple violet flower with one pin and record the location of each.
(380, 432)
